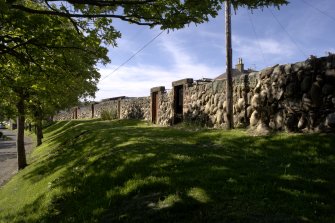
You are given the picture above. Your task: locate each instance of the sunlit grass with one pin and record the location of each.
(130, 171)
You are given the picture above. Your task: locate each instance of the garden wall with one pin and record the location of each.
(293, 97)
(124, 107)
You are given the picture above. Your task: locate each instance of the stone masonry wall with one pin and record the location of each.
(135, 108)
(105, 106)
(130, 108)
(84, 112)
(64, 115)
(292, 97)
(165, 112)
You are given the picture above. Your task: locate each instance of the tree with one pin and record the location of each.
(55, 57)
(73, 78)
(96, 16)
(167, 13)
(7, 110)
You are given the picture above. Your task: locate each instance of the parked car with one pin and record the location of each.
(2, 126)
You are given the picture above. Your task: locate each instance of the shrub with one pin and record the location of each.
(109, 114)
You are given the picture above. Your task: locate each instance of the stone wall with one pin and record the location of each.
(165, 113)
(107, 105)
(125, 107)
(135, 108)
(63, 115)
(204, 103)
(295, 97)
(84, 112)
(292, 97)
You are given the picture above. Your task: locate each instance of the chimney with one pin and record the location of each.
(240, 65)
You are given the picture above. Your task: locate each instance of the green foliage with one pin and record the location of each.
(169, 14)
(109, 114)
(128, 171)
(46, 62)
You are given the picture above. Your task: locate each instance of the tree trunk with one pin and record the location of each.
(229, 52)
(21, 153)
(39, 132)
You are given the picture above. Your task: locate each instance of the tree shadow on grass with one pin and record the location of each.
(131, 173)
(25, 215)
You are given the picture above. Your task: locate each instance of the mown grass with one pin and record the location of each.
(129, 171)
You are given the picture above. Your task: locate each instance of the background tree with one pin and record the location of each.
(74, 77)
(56, 56)
(7, 110)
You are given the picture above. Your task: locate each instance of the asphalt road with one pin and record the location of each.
(8, 155)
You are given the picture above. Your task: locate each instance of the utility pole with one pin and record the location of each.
(229, 53)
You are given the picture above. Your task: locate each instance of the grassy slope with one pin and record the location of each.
(127, 171)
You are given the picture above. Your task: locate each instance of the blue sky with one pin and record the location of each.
(306, 27)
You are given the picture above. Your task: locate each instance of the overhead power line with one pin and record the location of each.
(319, 10)
(130, 58)
(288, 34)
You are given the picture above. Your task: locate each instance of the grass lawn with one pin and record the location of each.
(129, 171)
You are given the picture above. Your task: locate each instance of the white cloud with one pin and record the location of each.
(263, 52)
(197, 52)
(137, 80)
(185, 62)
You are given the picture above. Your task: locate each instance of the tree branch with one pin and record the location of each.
(106, 3)
(71, 15)
(74, 23)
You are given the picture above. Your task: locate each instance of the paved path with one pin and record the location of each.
(8, 155)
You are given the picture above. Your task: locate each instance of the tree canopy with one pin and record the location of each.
(97, 16)
(168, 13)
(45, 65)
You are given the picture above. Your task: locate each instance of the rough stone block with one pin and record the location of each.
(254, 119)
(266, 72)
(302, 122)
(328, 89)
(256, 101)
(279, 120)
(316, 94)
(330, 73)
(330, 120)
(288, 68)
(290, 90)
(250, 110)
(306, 84)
